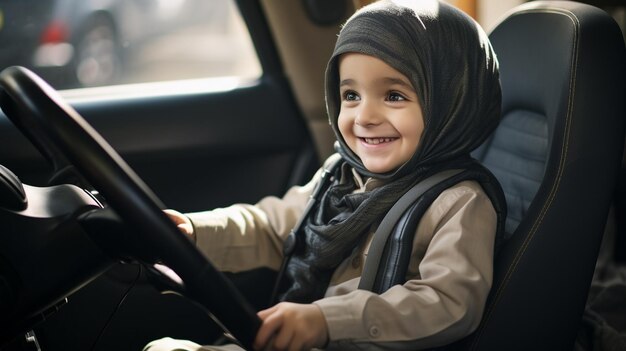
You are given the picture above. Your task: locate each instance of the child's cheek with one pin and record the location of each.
(345, 129)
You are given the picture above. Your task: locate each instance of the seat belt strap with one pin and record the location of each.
(295, 238)
(377, 247)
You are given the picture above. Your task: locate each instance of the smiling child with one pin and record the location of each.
(411, 89)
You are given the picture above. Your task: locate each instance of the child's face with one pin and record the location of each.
(380, 117)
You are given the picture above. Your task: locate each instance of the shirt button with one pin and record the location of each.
(374, 331)
(356, 262)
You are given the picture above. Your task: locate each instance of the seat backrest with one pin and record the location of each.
(557, 154)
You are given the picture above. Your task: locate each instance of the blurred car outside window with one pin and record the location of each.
(95, 43)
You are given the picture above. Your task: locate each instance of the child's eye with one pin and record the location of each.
(351, 96)
(395, 96)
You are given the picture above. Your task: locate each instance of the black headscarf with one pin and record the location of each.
(450, 63)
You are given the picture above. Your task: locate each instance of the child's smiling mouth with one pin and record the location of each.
(376, 141)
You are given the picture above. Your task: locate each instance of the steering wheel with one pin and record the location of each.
(63, 136)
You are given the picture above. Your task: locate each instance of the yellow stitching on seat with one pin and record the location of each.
(552, 194)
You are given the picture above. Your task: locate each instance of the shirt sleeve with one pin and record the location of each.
(242, 236)
(445, 298)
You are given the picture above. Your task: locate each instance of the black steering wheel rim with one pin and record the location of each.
(62, 135)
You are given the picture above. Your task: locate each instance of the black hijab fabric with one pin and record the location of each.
(450, 63)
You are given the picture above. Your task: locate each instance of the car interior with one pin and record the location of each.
(559, 146)
(84, 179)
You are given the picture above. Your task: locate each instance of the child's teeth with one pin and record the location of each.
(376, 141)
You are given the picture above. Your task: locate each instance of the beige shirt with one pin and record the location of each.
(449, 275)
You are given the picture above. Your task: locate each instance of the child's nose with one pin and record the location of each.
(368, 114)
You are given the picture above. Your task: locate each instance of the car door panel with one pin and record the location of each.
(197, 150)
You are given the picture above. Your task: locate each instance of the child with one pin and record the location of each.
(411, 89)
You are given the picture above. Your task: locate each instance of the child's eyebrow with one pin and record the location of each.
(384, 80)
(346, 82)
(397, 81)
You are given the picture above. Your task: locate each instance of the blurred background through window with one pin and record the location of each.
(86, 43)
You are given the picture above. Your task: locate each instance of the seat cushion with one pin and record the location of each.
(516, 154)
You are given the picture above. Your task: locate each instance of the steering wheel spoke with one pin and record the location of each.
(65, 138)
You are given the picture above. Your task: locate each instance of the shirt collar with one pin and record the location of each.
(365, 183)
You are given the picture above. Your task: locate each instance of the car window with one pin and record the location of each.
(90, 43)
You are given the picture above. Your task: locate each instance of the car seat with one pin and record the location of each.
(557, 154)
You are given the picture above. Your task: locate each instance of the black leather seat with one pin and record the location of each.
(557, 154)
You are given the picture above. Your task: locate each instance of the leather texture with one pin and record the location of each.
(557, 154)
(517, 154)
(562, 74)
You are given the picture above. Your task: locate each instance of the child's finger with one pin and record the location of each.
(185, 228)
(284, 337)
(271, 323)
(266, 312)
(269, 346)
(297, 343)
(174, 216)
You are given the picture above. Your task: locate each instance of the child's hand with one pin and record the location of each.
(182, 222)
(291, 326)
